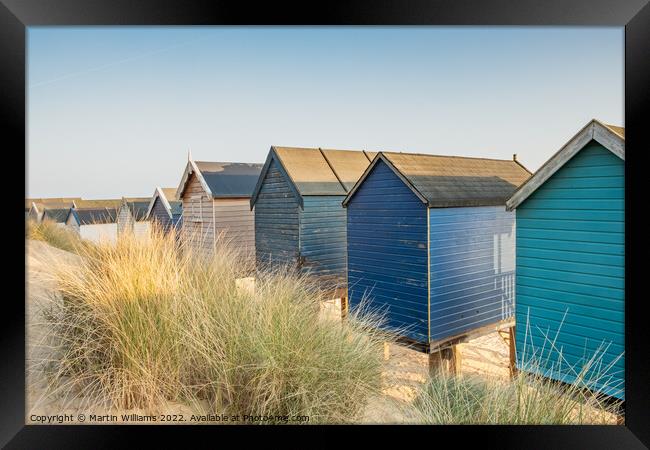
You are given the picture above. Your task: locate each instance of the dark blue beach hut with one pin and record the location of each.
(299, 220)
(165, 210)
(570, 280)
(431, 245)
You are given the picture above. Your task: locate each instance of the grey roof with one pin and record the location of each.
(89, 216)
(453, 181)
(226, 179)
(57, 215)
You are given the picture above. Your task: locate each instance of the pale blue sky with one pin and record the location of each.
(112, 111)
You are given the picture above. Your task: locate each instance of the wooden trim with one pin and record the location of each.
(191, 168)
(594, 130)
(158, 193)
(609, 139)
(428, 211)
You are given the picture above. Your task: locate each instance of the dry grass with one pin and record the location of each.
(530, 398)
(55, 235)
(145, 322)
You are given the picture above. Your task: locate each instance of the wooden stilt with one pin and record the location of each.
(513, 352)
(344, 307)
(443, 361)
(458, 359)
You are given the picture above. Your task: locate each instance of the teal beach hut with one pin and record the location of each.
(570, 276)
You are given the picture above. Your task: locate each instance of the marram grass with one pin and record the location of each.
(144, 322)
(529, 398)
(55, 235)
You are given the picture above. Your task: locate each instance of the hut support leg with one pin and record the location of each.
(513, 352)
(445, 361)
(344, 307)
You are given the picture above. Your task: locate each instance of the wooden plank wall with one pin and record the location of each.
(124, 220)
(570, 279)
(323, 249)
(198, 224)
(204, 219)
(160, 216)
(276, 220)
(235, 222)
(387, 252)
(472, 268)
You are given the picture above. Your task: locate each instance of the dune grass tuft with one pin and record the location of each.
(52, 233)
(529, 398)
(145, 322)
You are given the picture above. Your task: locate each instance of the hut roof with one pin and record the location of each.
(609, 136)
(316, 171)
(58, 215)
(138, 206)
(167, 197)
(453, 181)
(91, 216)
(618, 130)
(222, 179)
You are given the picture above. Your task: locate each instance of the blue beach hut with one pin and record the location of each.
(431, 245)
(165, 210)
(299, 220)
(570, 280)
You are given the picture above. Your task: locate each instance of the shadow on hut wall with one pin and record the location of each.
(471, 251)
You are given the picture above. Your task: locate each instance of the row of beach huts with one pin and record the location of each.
(445, 246)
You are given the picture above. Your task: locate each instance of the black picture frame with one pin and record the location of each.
(634, 15)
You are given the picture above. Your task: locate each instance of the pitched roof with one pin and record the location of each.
(609, 136)
(57, 215)
(222, 179)
(91, 216)
(138, 207)
(453, 181)
(166, 196)
(53, 205)
(316, 171)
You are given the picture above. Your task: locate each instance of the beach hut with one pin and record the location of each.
(132, 216)
(56, 215)
(299, 220)
(165, 210)
(215, 201)
(95, 224)
(35, 207)
(570, 280)
(431, 245)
